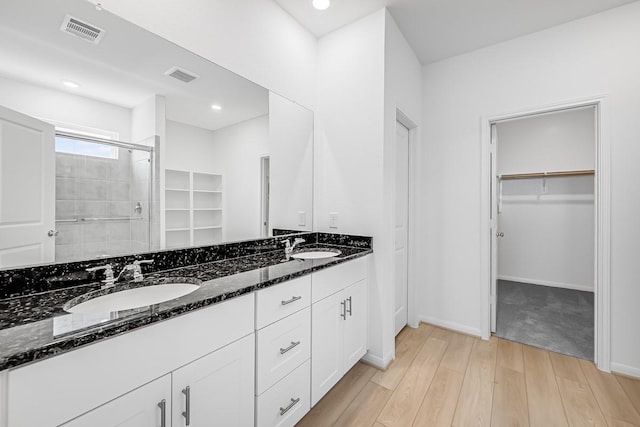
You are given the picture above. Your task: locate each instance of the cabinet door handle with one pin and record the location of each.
(187, 407)
(349, 309)
(293, 344)
(343, 303)
(291, 405)
(289, 301)
(163, 412)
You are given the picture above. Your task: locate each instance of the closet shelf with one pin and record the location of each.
(545, 174)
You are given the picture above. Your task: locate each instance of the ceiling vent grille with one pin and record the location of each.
(181, 74)
(81, 29)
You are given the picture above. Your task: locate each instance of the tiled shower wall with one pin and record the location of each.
(90, 188)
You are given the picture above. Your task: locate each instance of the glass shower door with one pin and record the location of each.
(102, 198)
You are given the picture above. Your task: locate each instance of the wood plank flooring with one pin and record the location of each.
(443, 378)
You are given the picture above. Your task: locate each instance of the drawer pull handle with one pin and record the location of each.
(348, 310)
(293, 299)
(291, 405)
(343, 314)
(187, 412)
(293, 344)
(163, 412)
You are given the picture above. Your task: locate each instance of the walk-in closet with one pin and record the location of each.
(545, 238)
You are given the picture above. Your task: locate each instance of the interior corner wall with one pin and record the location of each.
(348, 150)
(255, 39)
(402, 92)
(590, 57)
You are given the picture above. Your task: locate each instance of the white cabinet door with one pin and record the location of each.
(147, 406)
(217, 389)
(326, 347)
(355, 325)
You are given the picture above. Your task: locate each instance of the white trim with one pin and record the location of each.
(602, 354)
(412, 311)
(536, 282)
(377, 361)
(458, 327)
(630, 371)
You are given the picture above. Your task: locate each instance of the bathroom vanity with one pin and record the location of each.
(259, 342)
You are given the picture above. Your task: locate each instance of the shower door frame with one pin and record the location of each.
(125, 145)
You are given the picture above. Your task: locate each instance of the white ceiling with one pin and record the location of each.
(125, 68)
(438, 29)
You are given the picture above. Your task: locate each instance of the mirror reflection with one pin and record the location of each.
(114, 141)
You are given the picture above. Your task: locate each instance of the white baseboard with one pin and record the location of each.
(377, 361)
(546, 283)
(625, 370)
(451, 325)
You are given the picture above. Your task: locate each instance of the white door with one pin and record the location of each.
(217, 389)
(27, 190)
(401, 230)
(355, 326)
(147, 406)
(493, 229)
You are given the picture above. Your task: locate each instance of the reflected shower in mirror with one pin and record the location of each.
(224, 159)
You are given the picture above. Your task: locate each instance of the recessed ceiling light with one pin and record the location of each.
(70, 84)
(216, 107)
(321, 4)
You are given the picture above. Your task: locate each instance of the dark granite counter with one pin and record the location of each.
(35, 326)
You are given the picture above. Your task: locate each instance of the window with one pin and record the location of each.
(83, 141)
(85, 147)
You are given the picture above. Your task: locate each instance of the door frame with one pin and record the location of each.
(412, 312)
(602, 202)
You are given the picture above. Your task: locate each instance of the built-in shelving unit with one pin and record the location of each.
(193, 208)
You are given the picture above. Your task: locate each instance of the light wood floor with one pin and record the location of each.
(442, 378)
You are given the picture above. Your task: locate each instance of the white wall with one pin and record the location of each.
(291, 164)
(548, 223)
(349, 138)
(253, 38)
(548, 236)
(65, 107)
(592, 56)
(561, 141)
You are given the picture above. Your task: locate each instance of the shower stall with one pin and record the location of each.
(103, 198)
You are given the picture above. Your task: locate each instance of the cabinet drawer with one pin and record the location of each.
(287, 402)
(333, 279)
(281, 347)
(279, 301)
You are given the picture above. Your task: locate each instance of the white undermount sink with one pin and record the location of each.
(133, 298)
(317, 254)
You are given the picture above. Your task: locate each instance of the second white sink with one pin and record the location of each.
(133, 298)
(316, 254)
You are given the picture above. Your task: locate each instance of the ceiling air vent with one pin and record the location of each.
(181, 74)
(81, 29)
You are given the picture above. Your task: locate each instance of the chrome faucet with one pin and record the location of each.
(288, 248)
(136, 269)
(109, 280)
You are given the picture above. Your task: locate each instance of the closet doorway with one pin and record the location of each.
(543, 235)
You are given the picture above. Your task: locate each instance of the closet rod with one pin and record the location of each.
(543, 174)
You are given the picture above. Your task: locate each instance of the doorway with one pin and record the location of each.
(543, 240)
(401, 234)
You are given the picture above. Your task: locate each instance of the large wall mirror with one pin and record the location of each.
(115, 141)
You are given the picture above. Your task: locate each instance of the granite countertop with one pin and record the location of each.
(35, 327)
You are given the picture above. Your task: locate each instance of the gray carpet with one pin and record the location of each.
(556, 319)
